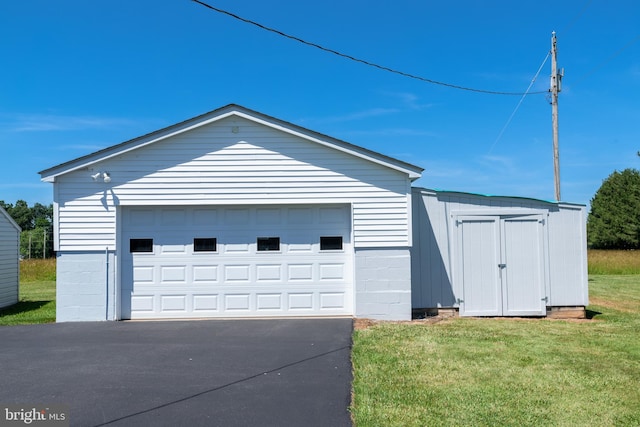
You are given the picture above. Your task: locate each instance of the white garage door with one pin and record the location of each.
(236, 261)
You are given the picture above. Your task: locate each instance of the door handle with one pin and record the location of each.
(501, 267)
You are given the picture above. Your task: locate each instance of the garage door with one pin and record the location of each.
(236, 261)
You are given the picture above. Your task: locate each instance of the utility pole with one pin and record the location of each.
(556, 80)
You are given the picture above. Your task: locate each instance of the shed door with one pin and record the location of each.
(500, 268)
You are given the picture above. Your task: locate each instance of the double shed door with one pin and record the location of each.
(501, 269)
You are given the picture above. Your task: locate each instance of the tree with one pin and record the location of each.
(36, 239)
(614, 220)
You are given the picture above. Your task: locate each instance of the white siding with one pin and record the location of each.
(234, 161)
(9, 260)
(432, 260)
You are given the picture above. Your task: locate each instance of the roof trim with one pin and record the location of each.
(11, 220)
(50, 174)
(466, 193)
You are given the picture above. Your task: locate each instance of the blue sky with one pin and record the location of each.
(78, 76)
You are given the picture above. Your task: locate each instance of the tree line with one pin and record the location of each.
(614, 219)
(36, 239)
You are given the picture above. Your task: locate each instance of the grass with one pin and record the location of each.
(505, 371)
(614, 262)
(37, 295)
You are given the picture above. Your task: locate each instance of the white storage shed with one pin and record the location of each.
(9, 260)
(497, 256)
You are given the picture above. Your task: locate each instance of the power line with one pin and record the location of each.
(577, 17)
(607, 60)
(362, 61)
(519, 103)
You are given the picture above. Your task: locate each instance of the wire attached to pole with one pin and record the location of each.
(362, 61)
(504, 128)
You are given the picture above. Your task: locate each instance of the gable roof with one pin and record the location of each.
(4, 213)
(50, 174)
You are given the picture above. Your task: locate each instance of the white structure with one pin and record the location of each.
(239, 214)
(497, 256)
(232, 213)
(9, 260)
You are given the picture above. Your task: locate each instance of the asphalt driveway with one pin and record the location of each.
(182, 373)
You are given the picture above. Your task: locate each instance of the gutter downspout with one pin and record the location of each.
(106, 255)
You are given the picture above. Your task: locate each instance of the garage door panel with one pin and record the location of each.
(172, 216)
(143, 274)
(235, 302)
(173, 302)
(301, 301)
(269, 273)
(237, 217)
(300, 216)
(173, 274)
(236, 248)
(235, 279)
(237, 273)
(205, 217)
(203, 274)
(142, 303)
(331, 272)
(173, 249)
(332, 300)
(300, 272)
(269, 216)
(269, 302)
(205, 303)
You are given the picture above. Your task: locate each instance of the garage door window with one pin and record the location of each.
(141, 245)
(331, 243)
(205, 244)
(268, 244)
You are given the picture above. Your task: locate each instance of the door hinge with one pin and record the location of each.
(459, 301)
(502, 265)
(545, 299)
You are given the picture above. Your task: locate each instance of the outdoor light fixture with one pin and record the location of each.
(105, 176)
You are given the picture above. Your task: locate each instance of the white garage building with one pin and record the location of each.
(232, 213)
(238, 214)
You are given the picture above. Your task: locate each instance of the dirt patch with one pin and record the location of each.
(613, 305)
(360, 324)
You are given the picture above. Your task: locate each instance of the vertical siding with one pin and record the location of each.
(9, 262)
(233, 161)
(568, 256)
(432, 262)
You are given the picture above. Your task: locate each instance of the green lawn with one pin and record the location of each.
(37, 295)
(509, 372)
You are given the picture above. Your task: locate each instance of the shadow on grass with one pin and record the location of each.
(591, 314)
(22, 307)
